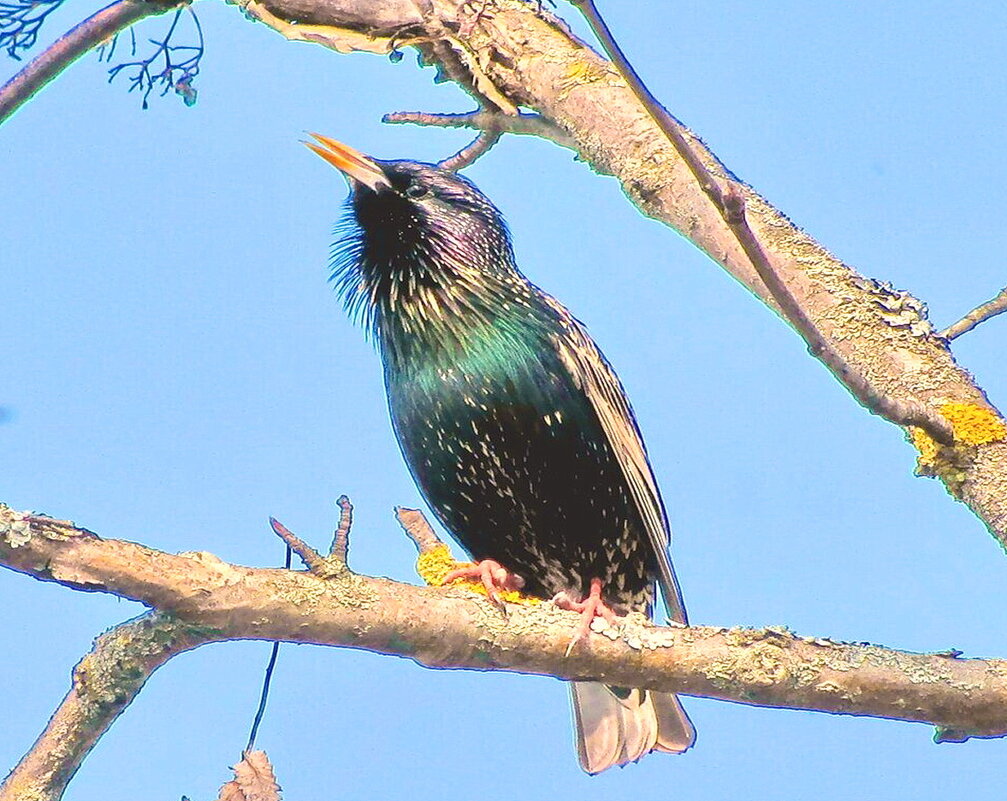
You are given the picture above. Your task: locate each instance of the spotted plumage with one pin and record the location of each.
(513, 424)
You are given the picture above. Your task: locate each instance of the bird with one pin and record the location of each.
(514, 426)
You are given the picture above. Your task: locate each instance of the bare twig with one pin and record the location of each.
(311, 558)
(20, 23)
(472, 151)
(80, 39)
(176, 72)
(523, 124)
(664, 121)
(731, 205)
(900, 412)
(341, 539)
(990, 308)
(267, 678)
(104, 683)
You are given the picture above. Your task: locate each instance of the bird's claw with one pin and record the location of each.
(493, 576)
(591, 607)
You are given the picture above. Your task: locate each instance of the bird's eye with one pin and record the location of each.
(416, 191)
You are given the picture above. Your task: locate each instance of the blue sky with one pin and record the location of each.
(176, 369)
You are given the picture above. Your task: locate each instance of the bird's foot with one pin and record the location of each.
(589, 608)
(493, 577)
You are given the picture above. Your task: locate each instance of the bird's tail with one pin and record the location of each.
(616, 725)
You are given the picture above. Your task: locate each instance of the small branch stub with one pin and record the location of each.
(471, 152)
(308, 555)
(324, 566)
(486, 121)
(341, 540)
(415, 524)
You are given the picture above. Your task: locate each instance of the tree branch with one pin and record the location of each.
(473, 150)
(201, 599)
(731, 205)
(486, 121)
(79, 40)
(104, 683)
(529, 58)
(979, 314)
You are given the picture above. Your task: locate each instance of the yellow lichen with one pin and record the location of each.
(435, 564)
(972, 425)
(578, 72)
(925, 444)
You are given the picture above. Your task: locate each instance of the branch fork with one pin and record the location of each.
(333, 565)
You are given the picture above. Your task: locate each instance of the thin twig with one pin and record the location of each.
(341, 540)
(20, 23)
(311, 558)
(175, 74)
(472, 151)
(522, 124)
(80, 39)
(990, 308)
(668, 125)
(731, 205)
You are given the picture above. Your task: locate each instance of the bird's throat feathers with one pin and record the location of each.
(432, 284)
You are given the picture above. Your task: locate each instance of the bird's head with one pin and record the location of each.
(418, 241)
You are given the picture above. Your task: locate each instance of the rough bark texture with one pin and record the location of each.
(212, 600)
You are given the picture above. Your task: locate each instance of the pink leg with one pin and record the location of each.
(590, 608)
(492, 574)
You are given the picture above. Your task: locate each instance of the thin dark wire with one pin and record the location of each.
(266, 680)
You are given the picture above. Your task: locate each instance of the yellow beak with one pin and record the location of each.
(350, 162)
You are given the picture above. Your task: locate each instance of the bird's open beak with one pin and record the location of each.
(350, 162)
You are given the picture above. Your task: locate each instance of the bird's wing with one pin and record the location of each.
(603, 389)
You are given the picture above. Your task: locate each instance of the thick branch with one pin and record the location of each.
(80, 39)
(731, 205)
(530, 58)
(213, 601)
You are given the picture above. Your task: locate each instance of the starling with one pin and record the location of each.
(513, 424)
